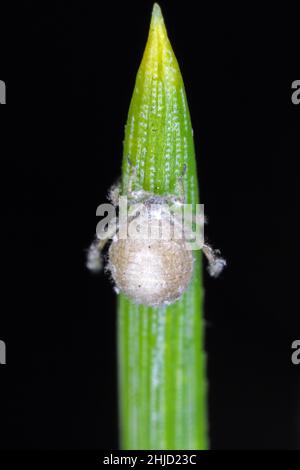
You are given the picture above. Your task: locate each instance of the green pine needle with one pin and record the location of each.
(162, 366)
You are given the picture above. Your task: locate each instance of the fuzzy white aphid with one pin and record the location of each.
(152, 271)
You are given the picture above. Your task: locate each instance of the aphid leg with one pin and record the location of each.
(94, 259)
(179, 187)
(114, 193)
(178, 197)
(215, 262)
(132, 176)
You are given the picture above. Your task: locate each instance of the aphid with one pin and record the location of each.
(151, 270)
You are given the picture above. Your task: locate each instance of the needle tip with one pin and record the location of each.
(157, 14)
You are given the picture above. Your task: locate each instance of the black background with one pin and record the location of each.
(70, 74)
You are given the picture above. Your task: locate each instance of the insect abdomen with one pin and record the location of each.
(151, 272)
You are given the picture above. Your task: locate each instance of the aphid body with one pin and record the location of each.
(156, 268)
(152, 264)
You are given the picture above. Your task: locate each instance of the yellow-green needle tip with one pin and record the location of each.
(156, 15)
